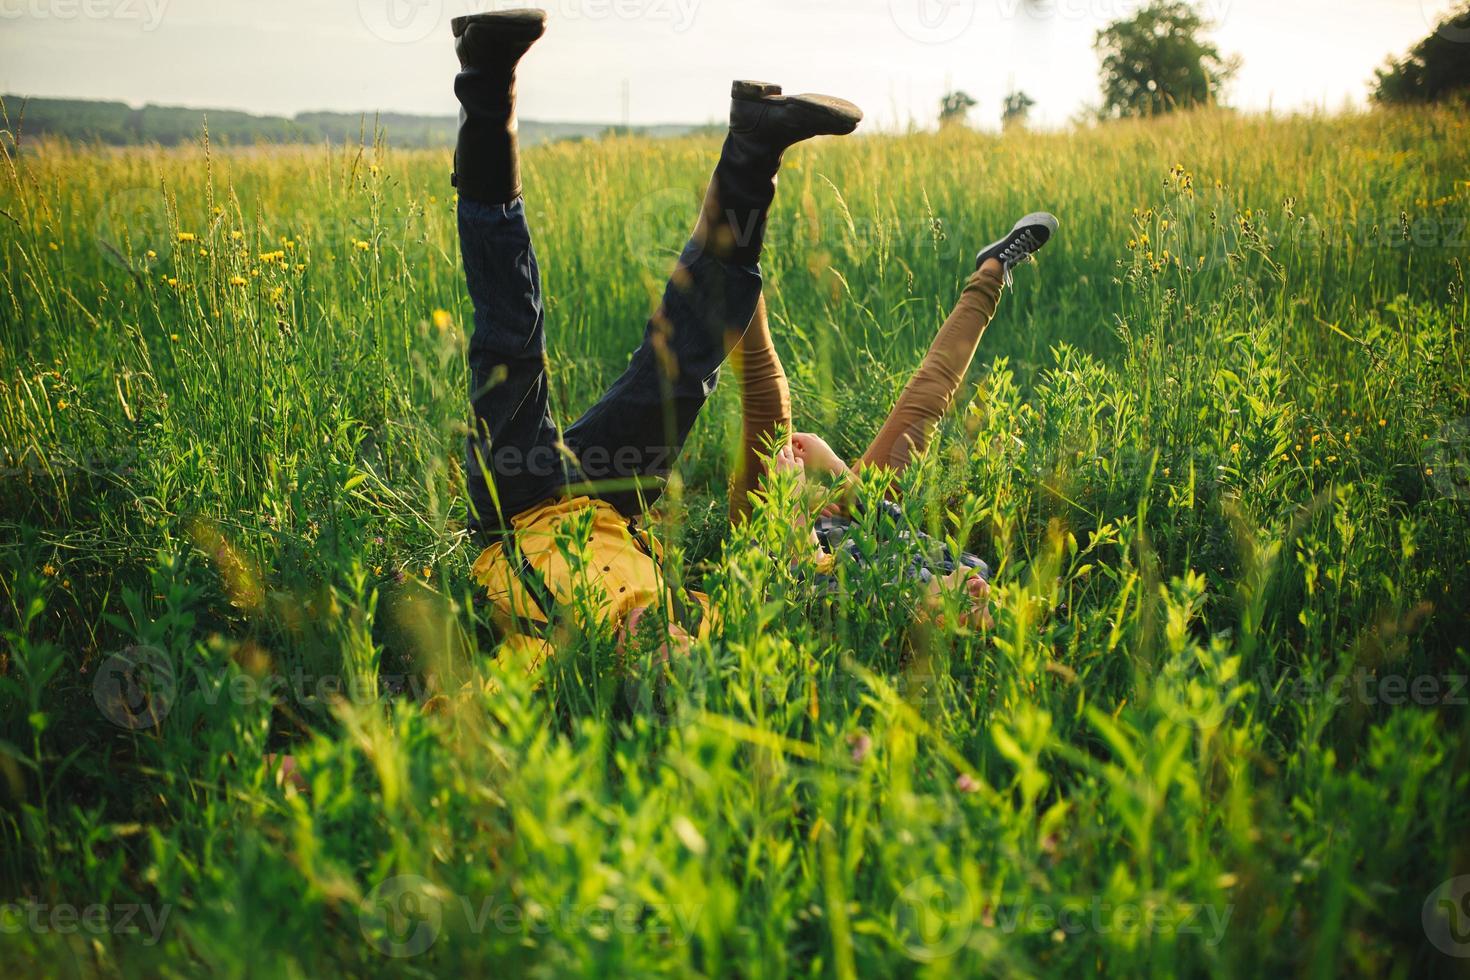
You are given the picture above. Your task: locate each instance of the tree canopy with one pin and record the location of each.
(1437, 67)
(1158, 60)
(1016, 109)
(955, 107)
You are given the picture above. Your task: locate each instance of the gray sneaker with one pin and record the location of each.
(1028, 235)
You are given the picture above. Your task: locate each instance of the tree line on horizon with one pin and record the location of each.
(1160, 60)
(118, 124)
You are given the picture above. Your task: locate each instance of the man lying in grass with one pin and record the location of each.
(558, 510)
(531, 486)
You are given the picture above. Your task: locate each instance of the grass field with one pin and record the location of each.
(1216, 446)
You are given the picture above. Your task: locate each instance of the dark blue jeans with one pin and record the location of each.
(625, 445)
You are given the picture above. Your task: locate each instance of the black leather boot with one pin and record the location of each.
(763, 125)
(487, 160)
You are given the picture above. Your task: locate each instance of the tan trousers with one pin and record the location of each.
(765, 396)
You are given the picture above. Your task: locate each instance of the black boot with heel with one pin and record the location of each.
(487, 159)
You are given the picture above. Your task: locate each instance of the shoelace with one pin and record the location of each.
(1013, 254)
(1022, 247)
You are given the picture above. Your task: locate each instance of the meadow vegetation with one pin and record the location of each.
(1216, 449)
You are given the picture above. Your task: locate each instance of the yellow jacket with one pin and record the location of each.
(616, 571)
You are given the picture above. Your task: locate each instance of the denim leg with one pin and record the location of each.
(634, 433)
(512, 459)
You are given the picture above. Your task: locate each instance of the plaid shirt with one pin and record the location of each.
(912, 554)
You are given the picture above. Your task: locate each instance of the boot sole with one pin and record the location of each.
(526, 24)
(841, 114)
(838, 117)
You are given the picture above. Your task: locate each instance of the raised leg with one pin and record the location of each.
(932, 389)
(512, 459)
(765, 407)
(627, 443)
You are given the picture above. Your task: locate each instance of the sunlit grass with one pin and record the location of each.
(1215, 450)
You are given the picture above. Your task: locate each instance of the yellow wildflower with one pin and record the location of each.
(442, 320)
(362, 246)
(187, 236)
(237, 280)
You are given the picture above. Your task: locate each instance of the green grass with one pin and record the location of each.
(1220, 727)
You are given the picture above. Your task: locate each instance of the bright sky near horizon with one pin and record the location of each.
(671, 59)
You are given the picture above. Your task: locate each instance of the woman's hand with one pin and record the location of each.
(786, 460)
(818, 457)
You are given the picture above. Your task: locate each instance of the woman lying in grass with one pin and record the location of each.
(766, 410)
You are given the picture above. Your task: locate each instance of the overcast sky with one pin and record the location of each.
(674, 58)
